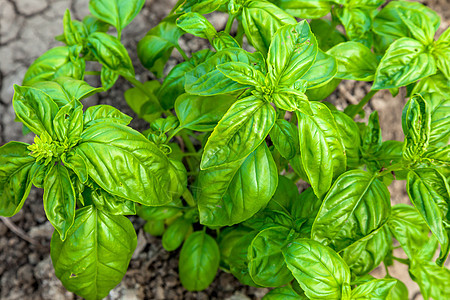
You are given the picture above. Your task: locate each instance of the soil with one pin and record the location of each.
(27, 29)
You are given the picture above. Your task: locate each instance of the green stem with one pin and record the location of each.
(192, 154)
(395, 167)
(174, 133)
(356, 109)
(92, 73)
(401, 260)
(229, 24)
(182, 52)
(188, 197)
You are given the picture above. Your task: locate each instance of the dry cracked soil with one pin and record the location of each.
(27, 30)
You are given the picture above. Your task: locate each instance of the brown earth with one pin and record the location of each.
(27, 29)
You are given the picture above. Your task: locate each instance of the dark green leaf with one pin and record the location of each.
(95, 256)
(145, 105)
(199, 261)
(227, 239)
(175, 234)
(354, 195)
(15, 181)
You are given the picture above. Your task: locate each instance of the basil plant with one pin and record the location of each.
(232, 130)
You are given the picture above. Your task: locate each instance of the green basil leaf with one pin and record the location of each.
(155, 48)
(441, 53)
(77, 164)
(322, 92)
(371, 137)
(199, 261)
(390, 22)
(357, 22)
(104, 113)
(239, 263)
(364, 256)
(266, 259)
(196, 24)
(94, 25)
(223, 40)
(408, 228)
(284, 137)
(117, 13)
(227, 239)
(111, 53)
(431, 279)
(207, 80)
(175, 234)
(145, 105)
(429, 192)
(292, 53)
(200, 6)
(242, 73)
(221, 200)
(377, 289)
(326, 34)
(305, 9)
(59, 199)
(95, 256)
(350, 137)
(35, 109)
(405, 62)
(319, 270)
(54, 63)
(261, 20)
(68, 123)
(398, 292)
(416, 121)
(355, 61)
(178, 179)
(202, 113)
(158, 213)
(323, 70)
(109, 203)
(306, 207)
(291, 100)
(284, 293)
(15, 177)
(321, 146)
(65, 89)
(71, 35)
(354, 195)
(108, 78)
(241, 130)
(139, 172)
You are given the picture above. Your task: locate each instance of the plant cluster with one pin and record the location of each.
(232, 129)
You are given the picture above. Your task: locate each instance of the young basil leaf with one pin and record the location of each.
(15, 177)
(305, 9)
(321, 146)
(364, 256)
(261, 20)
(108, 78)
(284, 136)
(65, 89)
(68, 123)
(266, 259)
(441, 52)
(155, 227)
(199, 261)
(93, 24)
(416, 121)
(35, 109)
(219, 192)
(357, 22)
(178, 179)
(306, 207)
(292, 53)
(431, 279)
(111, 53)
(241, 130)
(405, 62)
(323, 70)
(139, 172)
(59, 199)
(319, 270)
(291, 100)
(429, 192)
(284, 293)
(77, 164)
(223, 40)
(71, 35)
(196, 24)
(207, 80)
(55, 63)
(355, 194)
(155, 48)
(109, 203)
(327, 36)
(202, 113)
(158, 213)
(175, 234)
(377, 289)
(408, 228)
(104, 113)
(117, 13)
(371, 137)
(242, 73)
(390, 22)
(355, 61)
(95, 256)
